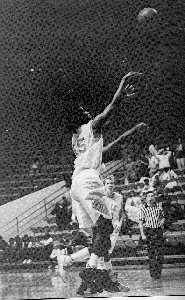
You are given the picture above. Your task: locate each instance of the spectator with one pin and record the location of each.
(155, 180)
(180, 155)
(169, 175)
(163, 157)
(63, 215)
(18, 248)
(79, 239)
(132, 207)
(3, 246)
(172, 212)
(47, 245)
(172, 160)
(34, 169)
(152, 149)
(3, 243)
(153, 164)
(36, 250)
(146, 187)
(55, 252)
(26, 249)
(11, 250)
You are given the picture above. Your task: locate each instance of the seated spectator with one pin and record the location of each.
(26, 249)
(155, 180)
(10, 251)
(47, 244)
(3, 245)
(180, 155)
(172, 212)
(36, 251)
(169, 175)
(63, 214)
(79, 239)
(39, 250)
(146, 187)
(35, 167)
(55, 252)
(18, 248)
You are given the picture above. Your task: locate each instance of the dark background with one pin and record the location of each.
(54, 53)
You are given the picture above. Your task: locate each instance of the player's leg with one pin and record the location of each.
(84, 185)
(99, 248)
(106, 278)
(86, 188)
(150, 241)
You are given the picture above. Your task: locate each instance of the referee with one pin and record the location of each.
(151, 217)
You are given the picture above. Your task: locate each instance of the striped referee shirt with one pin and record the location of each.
(151, 216)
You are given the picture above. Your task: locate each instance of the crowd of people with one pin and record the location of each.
(155, 159)
(29, 249)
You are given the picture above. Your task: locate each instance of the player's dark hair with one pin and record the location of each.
(77, 119)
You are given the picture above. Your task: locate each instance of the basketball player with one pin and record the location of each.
(87, 190)
(114, 202)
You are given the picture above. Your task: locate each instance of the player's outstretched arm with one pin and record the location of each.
(128, 90)
(125, 134)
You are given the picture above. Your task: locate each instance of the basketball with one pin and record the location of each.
(146, 13)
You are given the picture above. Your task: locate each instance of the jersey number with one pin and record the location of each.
(81, 145)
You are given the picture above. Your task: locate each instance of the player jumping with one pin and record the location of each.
(88, 191)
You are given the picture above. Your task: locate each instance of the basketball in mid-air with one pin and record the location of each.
(146, 13)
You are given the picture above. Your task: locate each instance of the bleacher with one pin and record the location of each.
(19, 185)
(128, 245)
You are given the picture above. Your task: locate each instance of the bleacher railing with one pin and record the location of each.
(33, 215)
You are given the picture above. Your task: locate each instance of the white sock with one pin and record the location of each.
(93, 261)
(101, 264)
(80, 255)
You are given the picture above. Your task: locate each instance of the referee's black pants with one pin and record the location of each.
(155, 247)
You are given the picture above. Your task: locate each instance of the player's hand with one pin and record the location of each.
(129, 89)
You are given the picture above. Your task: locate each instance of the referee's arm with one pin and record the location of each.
(141, 219)
(161, 223)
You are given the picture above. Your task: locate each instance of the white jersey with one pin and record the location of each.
(114, 206)
(88, 149)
